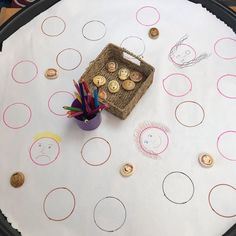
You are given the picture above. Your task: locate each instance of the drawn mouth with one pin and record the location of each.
(43, 157)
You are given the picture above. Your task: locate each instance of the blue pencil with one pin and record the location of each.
(95, 94)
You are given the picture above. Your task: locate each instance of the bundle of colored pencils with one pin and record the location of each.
(87, 104)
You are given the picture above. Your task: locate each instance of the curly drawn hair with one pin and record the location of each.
(189, 63)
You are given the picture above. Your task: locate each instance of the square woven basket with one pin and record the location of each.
(122, 102)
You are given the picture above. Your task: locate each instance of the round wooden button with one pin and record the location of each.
(102, 94)
(99, 80)
(123, 73)
(17, 179)
(128, 85)
(113, 86)
(206, 160)
(136, 76)
(112, 66)
(51, 73)
(153, 33)
(127, 170)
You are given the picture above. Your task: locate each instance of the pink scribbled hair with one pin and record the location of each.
(141, 128)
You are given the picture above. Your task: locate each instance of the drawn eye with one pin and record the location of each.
(150, 135)
(145, 141)
(187, 52)
(49, 146)
(39, 145)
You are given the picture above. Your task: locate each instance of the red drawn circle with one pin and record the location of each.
(222, 56)
(151, 23)
(72, 210)
(22, 62)
(19, 126)
(219, 89)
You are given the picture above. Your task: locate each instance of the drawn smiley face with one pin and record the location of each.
(183, 54)
(44, 151)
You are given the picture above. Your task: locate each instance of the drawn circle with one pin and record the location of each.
(215, 196)
(148, 16)
(178, 187)
(134, 44)
(109, 214)
(59, 99)
(183, 54)
(17, 115)
(24, 72)
(53, 26)
(225, 48)
(153, 140)
(177, 85)
(226, 143)
(226, 85)
(103, 151)
(59, 204)
(94, 30)
(69, 59)
(44, 151)
(189, 114)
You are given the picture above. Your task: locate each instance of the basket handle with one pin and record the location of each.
(139, 58)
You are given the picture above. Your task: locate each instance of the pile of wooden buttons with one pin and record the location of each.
(128, 77)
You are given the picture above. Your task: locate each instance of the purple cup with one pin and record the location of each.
(90, 124)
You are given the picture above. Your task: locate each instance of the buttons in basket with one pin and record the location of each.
(153, 33)
(113, 86)
(123, 73)
(136, 76)
(99, 80)
(51, 73)
(17, 180)
(112, 66)
(127, 170)
(128, 85)
(206, 160)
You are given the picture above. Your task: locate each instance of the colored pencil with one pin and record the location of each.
(82, 97)
(95, 95)
(72, 108)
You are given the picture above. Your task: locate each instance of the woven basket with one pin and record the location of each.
(122, 102)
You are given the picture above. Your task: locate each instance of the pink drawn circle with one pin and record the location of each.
(188, 48)
(147, 151)
(24, 62)
(33, 146)
(210, 203)
(145, 8)
(70, 50)
(14, 105)
(219, 139)
(177, 74)
(194, 124)
(219, 54)
(53, 34)
(71, 210)
(106, 157)
(63, 113)
(220, 80)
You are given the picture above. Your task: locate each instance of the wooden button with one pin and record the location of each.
(113, 86)
(102, 94)
(99, 80)
(17, 179)
(51, 73)
(136, 76)
(153, 33)
(112, 66)
(127, 170)
(123, 73)
(128, 85)
(206, 160)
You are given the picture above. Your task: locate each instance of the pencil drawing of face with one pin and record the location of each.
(151, 139)
(183, 55)
(45, 149)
